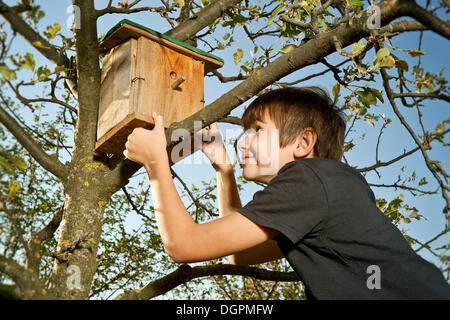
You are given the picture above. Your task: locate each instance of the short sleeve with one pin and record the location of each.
(293, 203)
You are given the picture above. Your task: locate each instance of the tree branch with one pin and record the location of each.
(425, 245)
(48, 162)
(186, 273)
(432, 22)
(189, 28)
(232, 120)
(28, 286)
(444, 97)
(194, 200)
(9, 292)
(89, 78)
(111, 10)
(27, 101)
(41, 44)
(18, 230)
(307, 54)
(34, 243)
(399, 186)
(429, 163)
(387, 163)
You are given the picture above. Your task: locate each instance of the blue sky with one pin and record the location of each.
(394, 139)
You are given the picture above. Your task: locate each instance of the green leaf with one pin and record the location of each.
(414, 215)
(288, 48)
(14, 188)
(246, 70)
(423, 181)
(415, 53)
(348, 146)
(383, 59)
(19, 163)
(355, 3)
(367, 97)
(43, 73)
(275, 13)
(52, 31)
(358, 46)
(402, 65)
(29, 62)
(370, 122)
(180, 3)
(387, 62)
(336, 91)
(5, 164)
(382, 53)
(377, 94)
(237, 56)
(396, 202)
(7, 73)
(409, 239)
(38, 44)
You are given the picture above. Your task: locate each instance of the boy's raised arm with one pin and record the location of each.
(214, 149)
(229, 200)
(183, 239)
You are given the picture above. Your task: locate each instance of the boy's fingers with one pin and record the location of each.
(159, 123)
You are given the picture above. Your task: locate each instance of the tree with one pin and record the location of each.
(64, 230)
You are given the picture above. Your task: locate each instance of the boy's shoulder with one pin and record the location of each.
(330, 173)
(318, 166)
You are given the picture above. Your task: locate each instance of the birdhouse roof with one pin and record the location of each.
(127, 29)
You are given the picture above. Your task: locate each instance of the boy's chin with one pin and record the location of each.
(252, 172)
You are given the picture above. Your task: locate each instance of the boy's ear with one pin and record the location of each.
(304, 145)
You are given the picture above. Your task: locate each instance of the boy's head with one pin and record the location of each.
(288, 124)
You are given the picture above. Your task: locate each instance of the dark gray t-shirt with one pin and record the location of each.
(335, 237)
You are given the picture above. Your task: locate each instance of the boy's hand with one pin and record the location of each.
(213, 148)
(147, 146)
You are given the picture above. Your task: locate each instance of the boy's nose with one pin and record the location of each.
(243, 144)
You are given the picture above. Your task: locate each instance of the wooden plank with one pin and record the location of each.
(126, 31)
(117, 71)
(114, 141)
(159, 67)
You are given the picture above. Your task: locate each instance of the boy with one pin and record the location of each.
(316, 211)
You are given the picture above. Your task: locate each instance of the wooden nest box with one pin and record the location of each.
(145, 71)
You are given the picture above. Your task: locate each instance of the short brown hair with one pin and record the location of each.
(296, 108)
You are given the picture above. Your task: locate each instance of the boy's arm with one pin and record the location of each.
(186, 241)
(183, 239)
(229, 202)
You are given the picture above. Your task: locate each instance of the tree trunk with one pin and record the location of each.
(75, 264)
(81, 226)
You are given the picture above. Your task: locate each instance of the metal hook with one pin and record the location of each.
(137, 78)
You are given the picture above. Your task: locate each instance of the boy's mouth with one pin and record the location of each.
(248, 158)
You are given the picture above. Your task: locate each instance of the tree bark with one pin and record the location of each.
(84, 205)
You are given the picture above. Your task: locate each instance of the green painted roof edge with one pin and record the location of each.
(161, 35)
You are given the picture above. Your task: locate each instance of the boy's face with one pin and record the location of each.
(261, 153)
